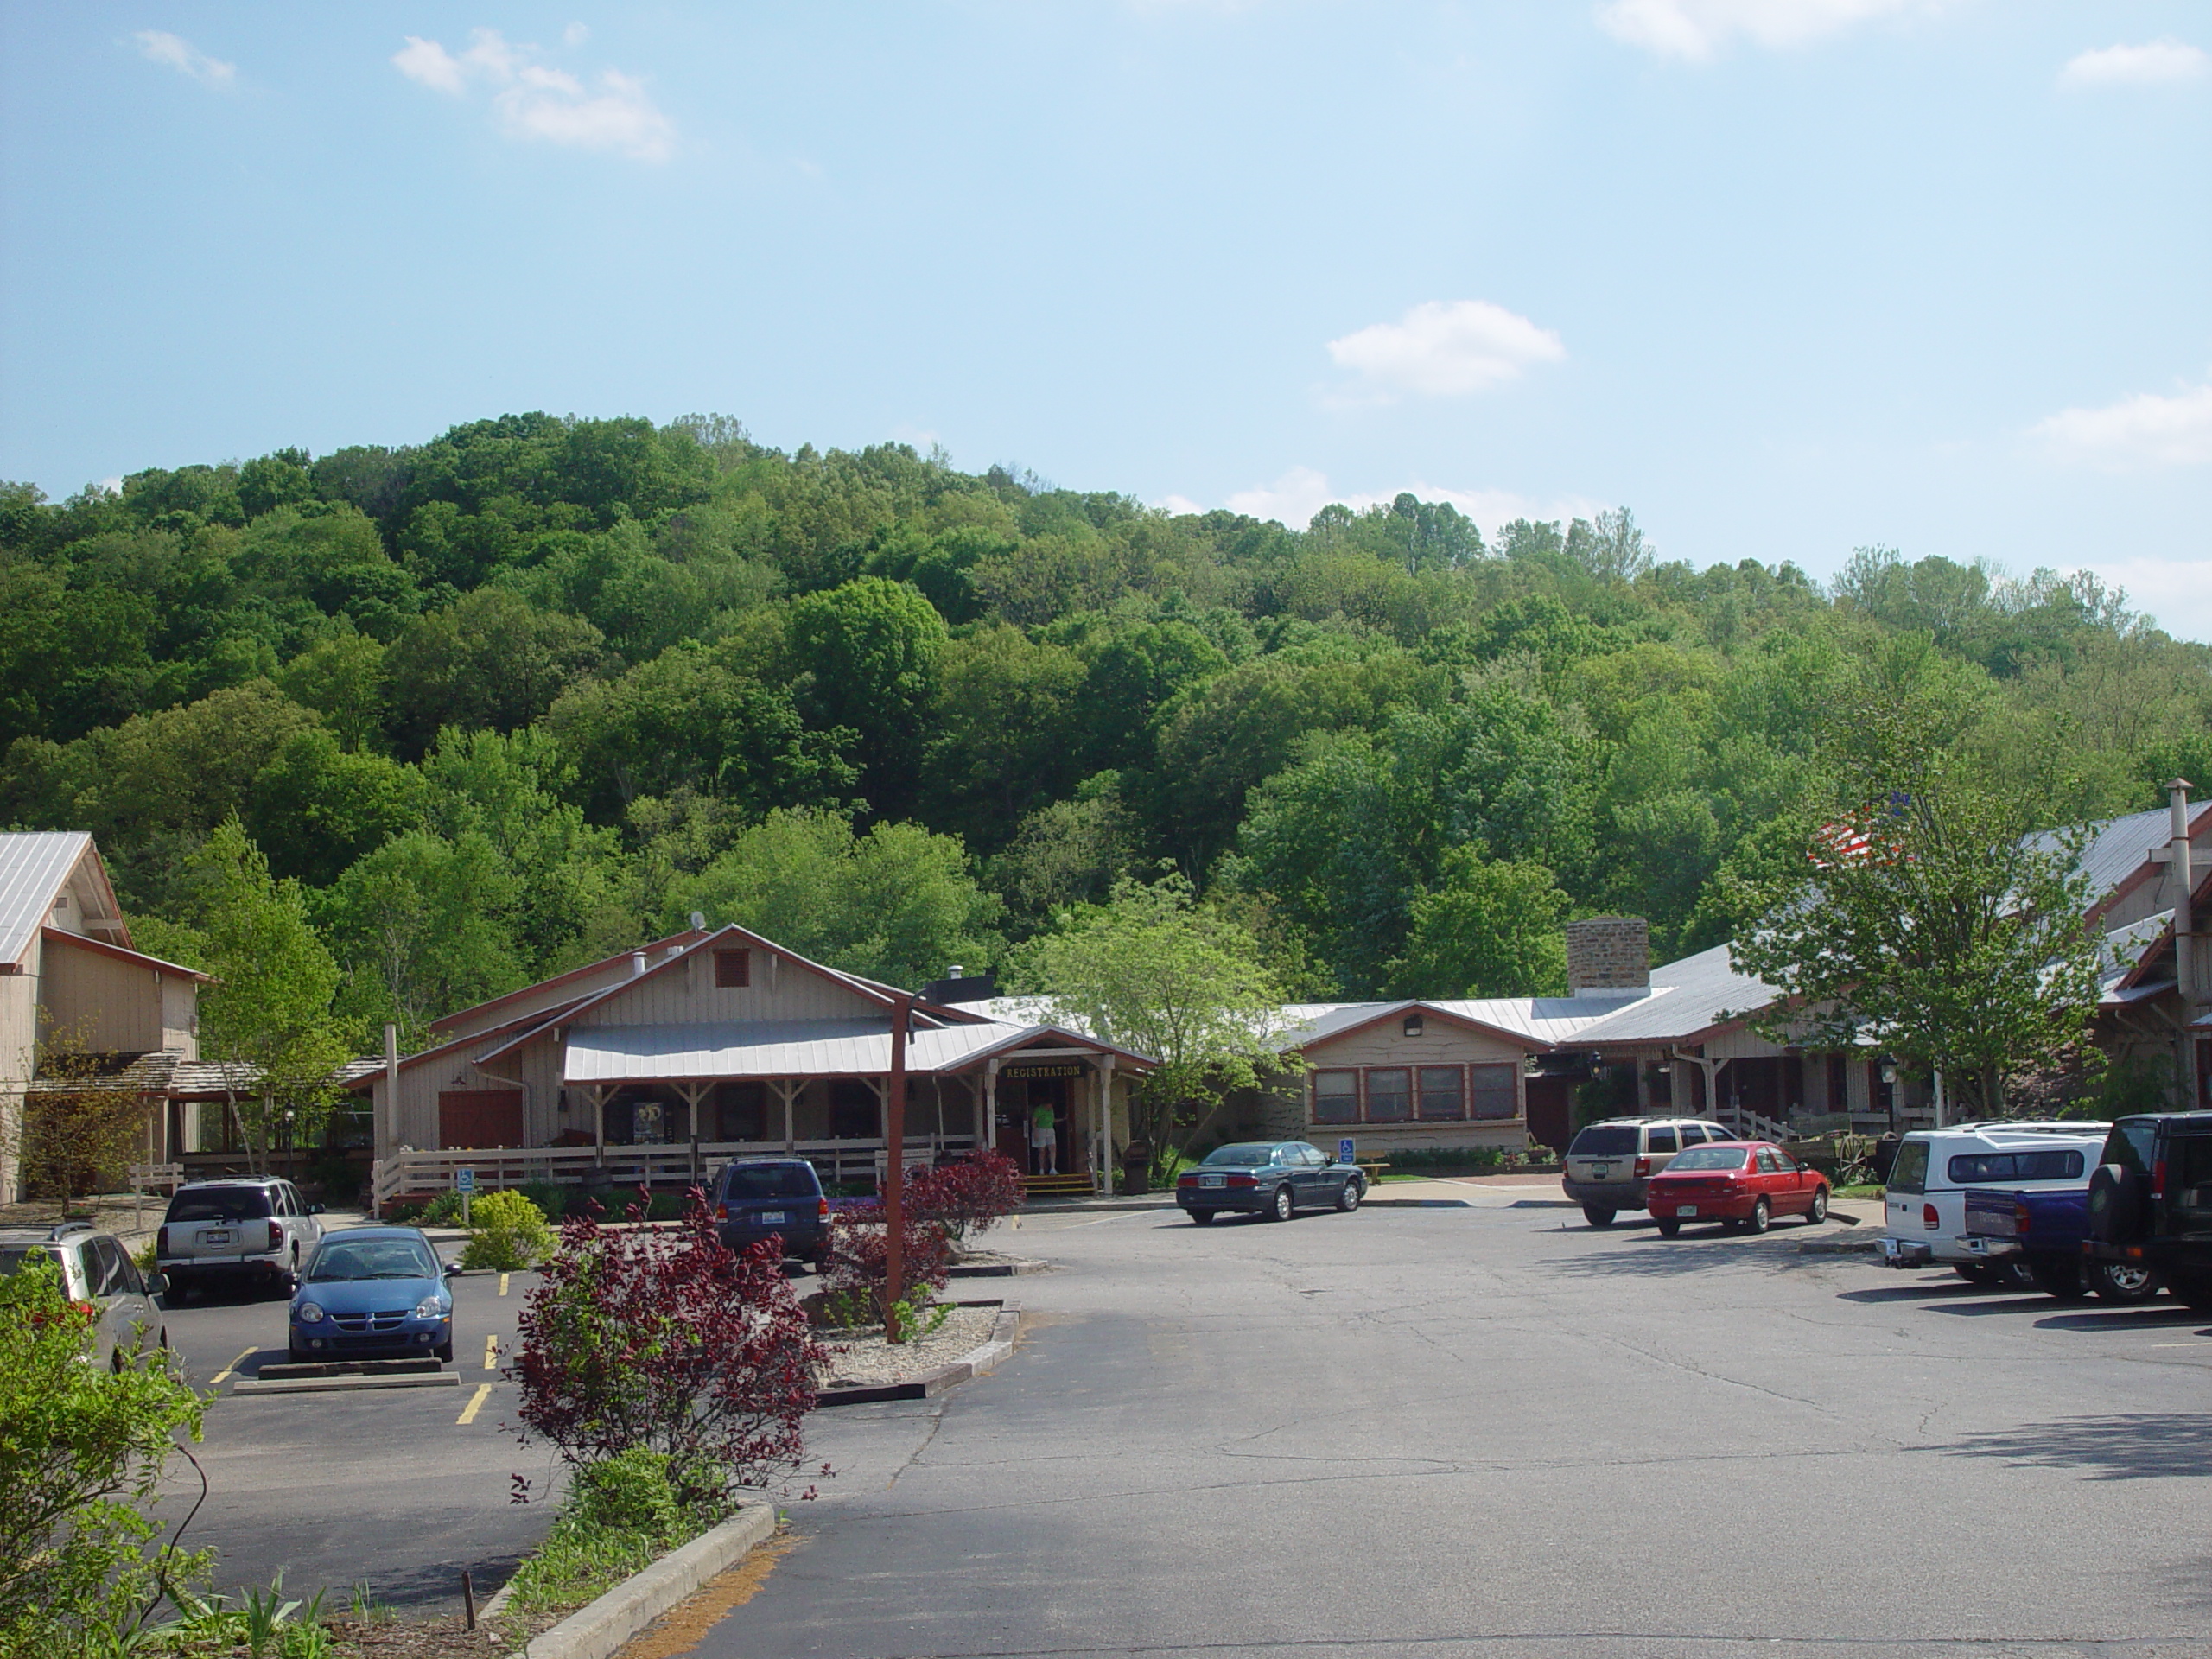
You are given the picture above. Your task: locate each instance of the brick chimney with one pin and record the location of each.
(1608, 953)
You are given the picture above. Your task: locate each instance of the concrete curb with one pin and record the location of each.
(343, 1384)
(596, 1631)
(1414, 1204)
(1110, 1206)
(999, 1270)
(930, 1384)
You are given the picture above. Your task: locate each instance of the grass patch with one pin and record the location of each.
(1867, 1191)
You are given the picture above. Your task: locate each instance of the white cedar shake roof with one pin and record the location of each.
(34, 866)
(779, 1048)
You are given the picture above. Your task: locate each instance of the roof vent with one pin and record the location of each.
(636, 963)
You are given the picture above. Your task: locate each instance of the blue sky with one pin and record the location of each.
(1784, 276)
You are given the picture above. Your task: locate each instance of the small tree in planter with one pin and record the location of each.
(672, 1342)
(859, 1252)
(968, 1196)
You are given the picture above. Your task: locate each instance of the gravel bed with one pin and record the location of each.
(868, 1360)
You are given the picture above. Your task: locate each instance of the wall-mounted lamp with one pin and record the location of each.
(1663, 1068)
(1413, 1025)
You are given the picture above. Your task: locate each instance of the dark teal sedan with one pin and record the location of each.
(1274, 1179)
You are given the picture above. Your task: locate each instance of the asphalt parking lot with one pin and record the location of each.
(1481, 1429)
(398, 1489)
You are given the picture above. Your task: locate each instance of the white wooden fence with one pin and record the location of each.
(417, 1174)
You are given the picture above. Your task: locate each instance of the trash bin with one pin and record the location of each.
(1886, 1153)
(1136, 1167)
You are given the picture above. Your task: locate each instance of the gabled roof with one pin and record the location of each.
(620, 960)
(1541, 1022)
(792, 1048)
(101, 947)
(35, 865)
(1691, 999)
(2118, 857)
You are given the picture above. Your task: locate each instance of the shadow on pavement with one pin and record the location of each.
(2149, 1316)
(1676, 1258)
(2139, 1445)
(1922, 1290)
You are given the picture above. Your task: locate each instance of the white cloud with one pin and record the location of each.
(1696, 29)
(1445, 350)
(2174, 431)
(575, 34)
(175, 53)
(2177, 593)
(1295, 498)
(2158, 63)
(530, 99)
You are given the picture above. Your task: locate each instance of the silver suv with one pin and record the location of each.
(1609, 1165)
(243, 1231)
(97, 1270)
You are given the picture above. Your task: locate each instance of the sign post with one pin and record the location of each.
(894, 1169)
(464, 1182)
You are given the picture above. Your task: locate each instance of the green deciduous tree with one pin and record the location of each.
(872, 648)
(268, 1013)
(1154, 970)
(1489, 928)
(1955, 940)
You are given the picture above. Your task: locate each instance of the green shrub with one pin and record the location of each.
(621, 1513)
(507, 1232)
(444, 1210)
(629, 1492)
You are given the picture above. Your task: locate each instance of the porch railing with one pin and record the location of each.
(422, 1174)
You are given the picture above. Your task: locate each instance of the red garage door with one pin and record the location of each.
(480, 1117)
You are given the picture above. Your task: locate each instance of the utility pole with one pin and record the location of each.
(894, 1172)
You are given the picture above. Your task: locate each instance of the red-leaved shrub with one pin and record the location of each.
(966, 1196)
(670, 1341)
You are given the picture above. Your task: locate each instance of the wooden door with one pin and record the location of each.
(480, 1117)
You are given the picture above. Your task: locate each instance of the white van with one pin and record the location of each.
(1924, 1214)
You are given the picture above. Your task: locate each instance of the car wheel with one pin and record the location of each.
(2060, 1277)
(1762, 1213)
(443, 1353)
(2014, 1275)
(2121, 1281)
(1349, 1195)
(1201, 1217)
(1819, 1212)
(1975, 1273)
(1669, 1229)
(1283, 1204)
(1598, 1215)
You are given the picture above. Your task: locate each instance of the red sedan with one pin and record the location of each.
(1740, 1184)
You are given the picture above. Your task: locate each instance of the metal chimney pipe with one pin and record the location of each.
(2185, 892)
(636, 963)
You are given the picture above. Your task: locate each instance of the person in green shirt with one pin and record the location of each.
(1042, 1143)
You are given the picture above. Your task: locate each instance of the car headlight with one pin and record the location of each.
(308, 1313)
(431, 1307)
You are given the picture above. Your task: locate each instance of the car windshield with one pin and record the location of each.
(372, 1258)
(1709, 1158)
(221, 1203)
(1244, 1155)
(770, 1181)
(1605, 1141)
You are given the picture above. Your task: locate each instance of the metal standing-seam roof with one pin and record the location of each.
(34, 864)
(1688, 996)
(2118, 847)
(775, 1048)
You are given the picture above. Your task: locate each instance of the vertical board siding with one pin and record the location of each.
(687, 994)
(100, 1002)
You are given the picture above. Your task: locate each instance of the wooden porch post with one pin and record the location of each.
(784, 1088)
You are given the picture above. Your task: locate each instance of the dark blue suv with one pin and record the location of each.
(756, 1198)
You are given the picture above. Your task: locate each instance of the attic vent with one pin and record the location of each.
(733, 969)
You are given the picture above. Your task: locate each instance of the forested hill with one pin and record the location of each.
(539, 688)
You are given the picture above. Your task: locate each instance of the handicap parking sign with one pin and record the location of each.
(464, 1181)
(1346, 1154)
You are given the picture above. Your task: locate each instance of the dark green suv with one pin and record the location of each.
(2151, 1201)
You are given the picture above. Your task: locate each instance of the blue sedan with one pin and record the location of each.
(372, 1293)
(1272, 1178)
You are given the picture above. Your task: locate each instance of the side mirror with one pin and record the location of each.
(157, 1283)
(452, 1269)
(315, 1209)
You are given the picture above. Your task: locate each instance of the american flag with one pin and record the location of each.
(1858, 838)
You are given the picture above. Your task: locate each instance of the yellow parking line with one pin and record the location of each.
(232, 1366)
(502, 1284)
(475, 1403)
(491, 1353)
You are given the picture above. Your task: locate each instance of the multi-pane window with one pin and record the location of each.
(1442, 1097)
(1496, 1091)
(1336, 1096)
(1388, 1095)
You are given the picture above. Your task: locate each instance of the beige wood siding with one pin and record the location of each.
(100, 1002)
(686, 994)
(1386, 1044)
(1741, 1045)
(1441, 1043)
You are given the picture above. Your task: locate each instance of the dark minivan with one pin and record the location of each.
(759, 1197)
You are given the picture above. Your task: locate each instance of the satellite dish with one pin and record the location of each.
(698, 921)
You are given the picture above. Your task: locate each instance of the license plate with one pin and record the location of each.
(214, 1239)
(1598, 1171)
(1686, 1209)
(1211, 1181)
(775, 1216)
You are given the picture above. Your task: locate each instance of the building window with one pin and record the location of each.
(1496, 1090)
(733, 969)
(1441, 1096)
(1388, 1096)
(1336, 1096)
